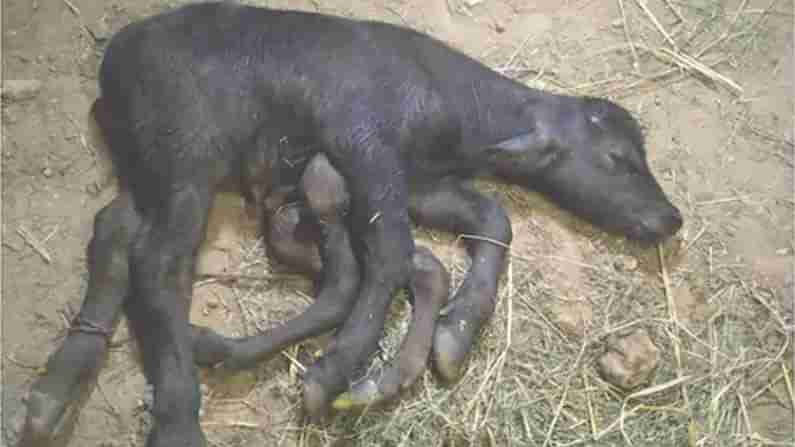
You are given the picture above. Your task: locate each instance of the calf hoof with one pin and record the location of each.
(49, 421)
(452, 342)
(362, 394)
(58, 395)
(369, 391)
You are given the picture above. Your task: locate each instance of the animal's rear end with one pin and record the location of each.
(162, 134)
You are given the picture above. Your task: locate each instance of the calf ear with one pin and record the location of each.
(520, 145)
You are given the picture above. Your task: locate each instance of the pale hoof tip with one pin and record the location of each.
(449, 354)
(45, 420)
(360, 395)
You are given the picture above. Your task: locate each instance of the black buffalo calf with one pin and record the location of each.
(218, 94)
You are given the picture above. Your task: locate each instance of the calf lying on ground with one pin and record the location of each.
(217, 94)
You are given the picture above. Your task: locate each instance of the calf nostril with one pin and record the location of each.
(663, 224)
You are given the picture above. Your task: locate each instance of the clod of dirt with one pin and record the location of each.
(630, 360)
(626, 264)
(691, 307)
(20, 89)
(572, 317)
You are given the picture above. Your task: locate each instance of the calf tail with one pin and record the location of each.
(116, 139)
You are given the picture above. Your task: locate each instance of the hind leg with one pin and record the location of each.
(161, 267)
(430, 285)
(453, 206)
(56, 397)
(327, 200)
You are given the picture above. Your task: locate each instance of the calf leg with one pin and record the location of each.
(453, 207)
(430, 285)
(54, 400)
(325, 193)
(294, 238)
(298, 251)
(161, 268)
(380, 221)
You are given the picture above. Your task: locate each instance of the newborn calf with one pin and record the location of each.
(191, 96)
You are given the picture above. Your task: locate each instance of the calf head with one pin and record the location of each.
(588, 156)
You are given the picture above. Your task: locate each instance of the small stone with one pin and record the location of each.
(783, 251)
(499, 28)
(204, 388)
(47, 172)
(626, 264)
(617, 23)
(572, 317)
(630, 360)
(21, 89)
(212, 303)
(93, 189)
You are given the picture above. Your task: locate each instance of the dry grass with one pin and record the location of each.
(529, 382)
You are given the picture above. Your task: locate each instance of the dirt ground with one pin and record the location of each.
(720, 145)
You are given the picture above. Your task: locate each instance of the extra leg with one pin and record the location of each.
(453, 207)
(287, 243)
(430, 285)
(162, 264)
(327, 199)
(56, 397)
(380, 222)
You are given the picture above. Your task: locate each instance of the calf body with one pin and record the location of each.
(213, 95)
